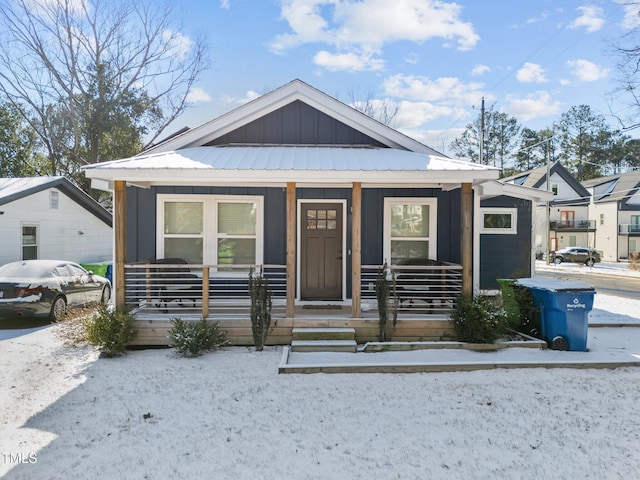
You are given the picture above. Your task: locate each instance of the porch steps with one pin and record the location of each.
(323, 340)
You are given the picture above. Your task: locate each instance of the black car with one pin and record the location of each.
(588, 256)
(44, 288)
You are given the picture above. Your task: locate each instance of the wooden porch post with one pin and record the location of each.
(356, 251)
(467, 238)
(120, 247)
(291, 249)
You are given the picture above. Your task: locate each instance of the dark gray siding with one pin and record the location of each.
(506, 256)
(296, 124)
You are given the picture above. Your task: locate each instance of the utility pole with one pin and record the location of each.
(548, 235)
(482, 133)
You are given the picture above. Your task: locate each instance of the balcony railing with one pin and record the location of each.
(572, 225)
(628, 228)
(172, 290)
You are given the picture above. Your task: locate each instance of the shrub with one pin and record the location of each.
(478, 319)
(193, 338)
(260, 308)
(110, 329)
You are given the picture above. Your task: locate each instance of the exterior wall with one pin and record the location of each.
(58, 229)
(506, 255)
(606, 238)
(296, 124)
(565, 191)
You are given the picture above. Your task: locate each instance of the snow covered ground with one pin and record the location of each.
(65, 414)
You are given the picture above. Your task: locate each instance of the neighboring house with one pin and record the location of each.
(569, 223)
(616, 208)
(51, 218)
(319, 196)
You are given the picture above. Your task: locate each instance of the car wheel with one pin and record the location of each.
(106, 295)
(590, 262)
(58, 309)
(558, 260)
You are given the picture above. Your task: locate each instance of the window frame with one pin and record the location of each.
(37, 235)
(513, 230)
(210, 234)
(432, 203)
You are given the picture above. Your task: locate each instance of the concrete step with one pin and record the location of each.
(303, 333)
(323, 346)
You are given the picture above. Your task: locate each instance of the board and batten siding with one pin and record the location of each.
(506, 255)
(58, 230)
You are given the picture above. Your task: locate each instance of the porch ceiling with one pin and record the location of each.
(281, 164)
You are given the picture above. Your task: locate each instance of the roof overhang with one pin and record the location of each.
(275, 166)
(495, 188)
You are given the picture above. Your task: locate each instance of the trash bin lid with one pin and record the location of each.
(555, 285)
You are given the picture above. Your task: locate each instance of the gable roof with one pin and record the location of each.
(614, 188)
(295, 90)
(12, 189)
(537, 178)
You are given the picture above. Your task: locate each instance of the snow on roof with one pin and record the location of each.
(292, 158)
(15, 186)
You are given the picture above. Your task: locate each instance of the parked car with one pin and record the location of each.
(41, 288)
(588, 256)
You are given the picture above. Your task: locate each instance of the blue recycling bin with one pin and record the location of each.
(564, 311)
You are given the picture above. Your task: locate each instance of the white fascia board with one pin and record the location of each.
(382, 177)
(495, 188)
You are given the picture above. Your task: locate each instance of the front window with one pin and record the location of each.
(210, 229)
(29, 242)
(410, 226)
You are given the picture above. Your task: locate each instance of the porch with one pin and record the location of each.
(423, 296)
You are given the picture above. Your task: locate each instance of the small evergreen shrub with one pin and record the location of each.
(260, 308)
(110, 329)
(478, 319)
(193, 338)
(385, 290)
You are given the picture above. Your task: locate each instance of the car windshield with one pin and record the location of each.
(26, 270)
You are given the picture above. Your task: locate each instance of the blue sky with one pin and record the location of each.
(531, 59)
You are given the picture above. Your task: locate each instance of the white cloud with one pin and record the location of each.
(449, 90)
(479, 70)
(179, 44)
(412, 58)
(413, 114)
(198, 95)
(367, 25)
(587, 71)
(225, 4)
(591, 18)
(538, 104)
(249, 96)
(531, 73)
(631, 18)
(352, 62)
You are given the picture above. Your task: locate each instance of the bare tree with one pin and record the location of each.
(385, 111)
(95, 77)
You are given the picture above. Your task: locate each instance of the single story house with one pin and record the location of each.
(615, 206)
(51, 218)
(320, 198)
(567, 222)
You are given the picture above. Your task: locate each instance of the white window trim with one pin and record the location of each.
(504, 231)
(433, 223)
(210, 224)
(22, 245)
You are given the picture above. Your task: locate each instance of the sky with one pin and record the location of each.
(531, 59)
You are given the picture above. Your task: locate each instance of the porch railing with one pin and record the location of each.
(628, 228)
(179, 289)
(572, 225)
(176, 289)
(415, 289)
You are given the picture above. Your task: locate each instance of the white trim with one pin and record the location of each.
(432, 202)
(513, 230)
(35, 225)
(343, 202)
(210, 222)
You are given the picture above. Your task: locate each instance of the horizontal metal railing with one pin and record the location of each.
(572, 225)
(627, 228)
(175, 290)
(178, 289)
(415, 289)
